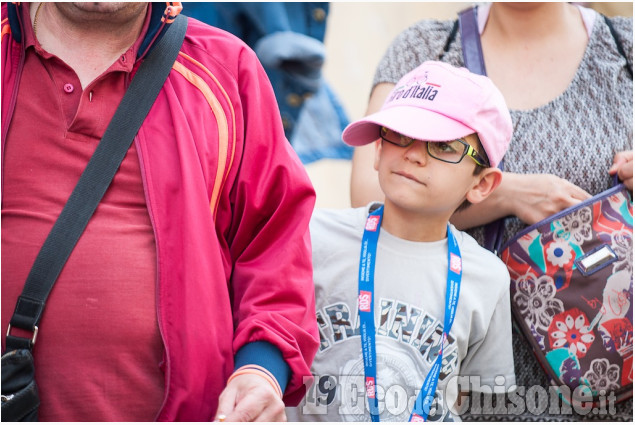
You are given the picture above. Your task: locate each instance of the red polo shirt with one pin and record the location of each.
(98, 352)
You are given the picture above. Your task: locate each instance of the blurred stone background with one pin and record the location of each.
(357, 36)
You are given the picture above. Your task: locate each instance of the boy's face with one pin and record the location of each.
(412, 180)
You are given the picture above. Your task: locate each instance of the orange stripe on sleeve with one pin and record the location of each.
(6, 29)
(223, 133)
(232, 147)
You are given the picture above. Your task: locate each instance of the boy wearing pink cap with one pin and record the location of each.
(408, 307)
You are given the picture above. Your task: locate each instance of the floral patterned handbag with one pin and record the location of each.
(572, 295)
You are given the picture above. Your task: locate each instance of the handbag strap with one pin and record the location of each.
(94, 182)
(471, 41)
(620, 49)
(450, 39)
(473, 59)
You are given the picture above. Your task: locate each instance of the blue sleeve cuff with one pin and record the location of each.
(266, 355)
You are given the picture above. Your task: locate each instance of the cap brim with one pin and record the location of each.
(410, 121)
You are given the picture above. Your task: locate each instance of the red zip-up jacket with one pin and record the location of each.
(229, 203)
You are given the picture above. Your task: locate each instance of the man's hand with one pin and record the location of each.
(250, 398)
(623, 166)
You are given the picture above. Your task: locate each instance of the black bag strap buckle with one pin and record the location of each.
(26, 317)
(30, 341)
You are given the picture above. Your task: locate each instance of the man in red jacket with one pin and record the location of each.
(189, 296)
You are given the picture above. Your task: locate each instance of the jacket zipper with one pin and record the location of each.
(158, 280)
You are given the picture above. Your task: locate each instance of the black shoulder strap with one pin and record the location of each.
(620, 49)
(471, 41)
(94, 182)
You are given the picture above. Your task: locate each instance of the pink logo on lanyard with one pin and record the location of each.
(416, 418)
(455, 263)
(365, 298)
(370, 387)
(371, 223)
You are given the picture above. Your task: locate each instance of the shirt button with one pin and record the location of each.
(68, 88)
(319, 14)
(123, 58)
(294, 100)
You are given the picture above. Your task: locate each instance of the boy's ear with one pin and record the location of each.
(485, 183)
(377, 153)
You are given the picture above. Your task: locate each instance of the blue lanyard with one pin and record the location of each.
(367, 318)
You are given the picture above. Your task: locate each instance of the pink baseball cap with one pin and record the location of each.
(438, 102)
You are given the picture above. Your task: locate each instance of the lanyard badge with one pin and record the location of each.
(366, 300)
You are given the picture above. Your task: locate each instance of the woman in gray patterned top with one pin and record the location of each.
(571, 101)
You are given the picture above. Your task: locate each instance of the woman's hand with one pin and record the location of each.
(534, 197)
(530, 197)
(623, 167)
